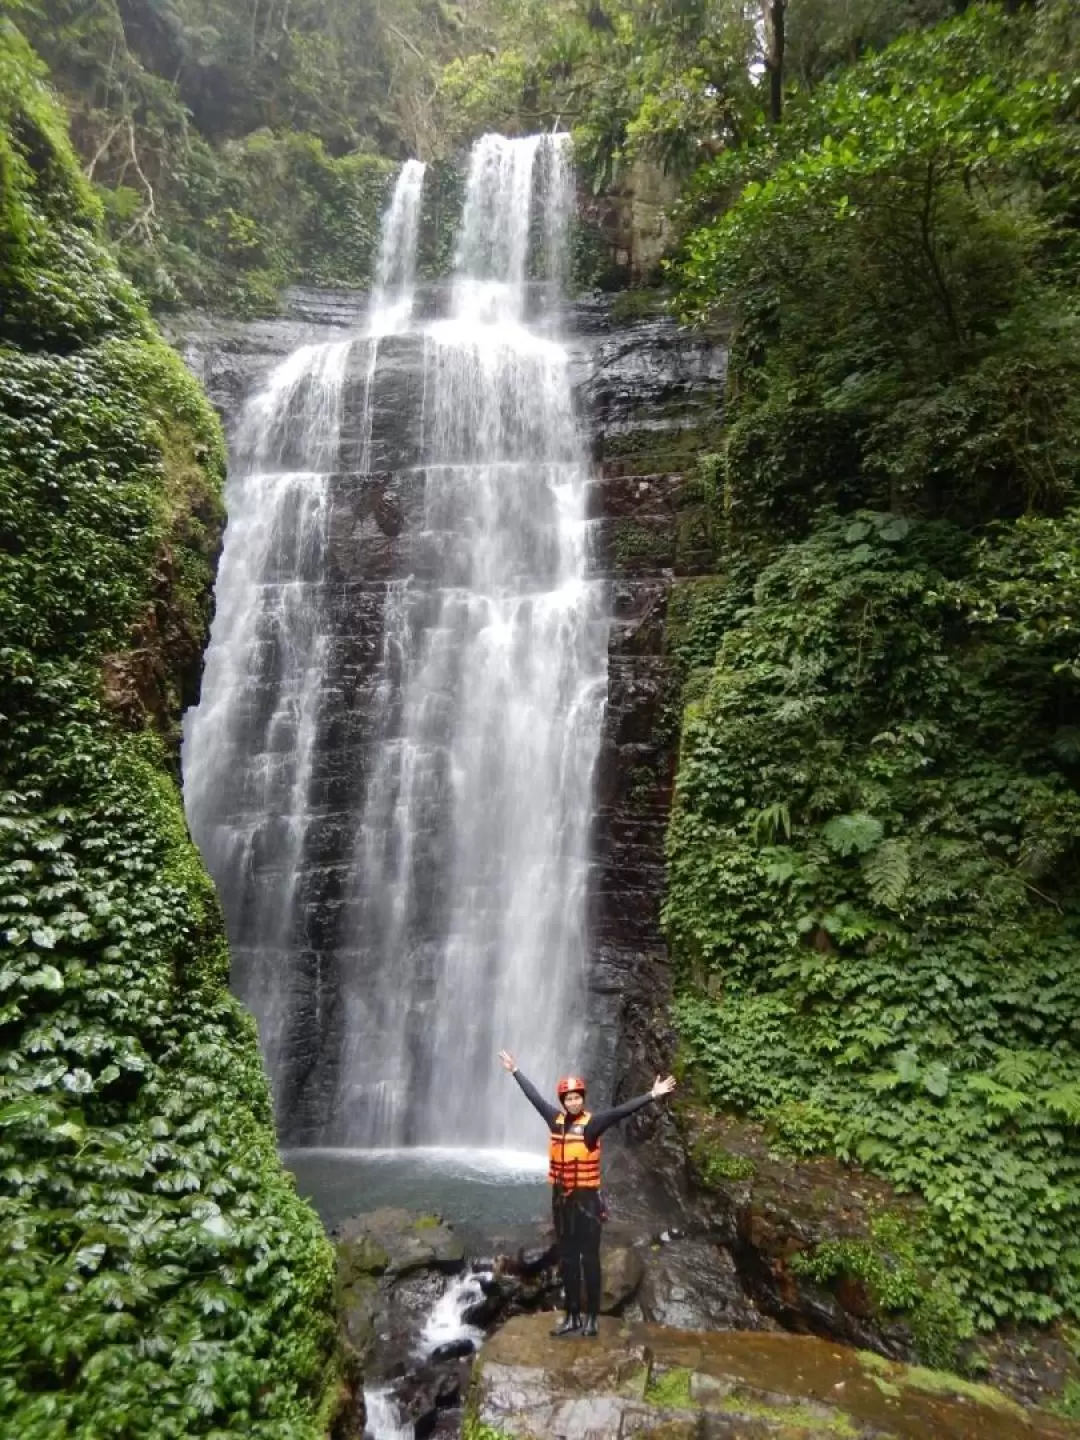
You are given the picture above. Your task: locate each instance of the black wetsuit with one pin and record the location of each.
(576, 1215)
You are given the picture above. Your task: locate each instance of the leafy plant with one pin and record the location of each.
(159, 1275)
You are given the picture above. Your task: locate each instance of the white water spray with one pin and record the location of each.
(453, 920)
(472, 864)
(251, 745)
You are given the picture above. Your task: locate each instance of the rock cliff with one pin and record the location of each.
(647, 394)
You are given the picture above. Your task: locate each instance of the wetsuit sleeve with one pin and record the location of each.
(545, 1107)
(604, 1119)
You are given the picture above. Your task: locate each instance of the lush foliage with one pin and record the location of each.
(668, 81)
(159, 1276)
(874, 868)
(240, 148)
(902, 253)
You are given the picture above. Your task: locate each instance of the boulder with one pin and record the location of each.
(639, 1379)
(396, 1242)
(623, 1269)
(693, 1284)
(393, 1267)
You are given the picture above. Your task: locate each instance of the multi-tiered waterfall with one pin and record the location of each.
(447, 916)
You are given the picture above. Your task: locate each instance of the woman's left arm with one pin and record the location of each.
(604, 1119)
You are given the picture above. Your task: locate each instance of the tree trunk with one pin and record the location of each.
(774, 56)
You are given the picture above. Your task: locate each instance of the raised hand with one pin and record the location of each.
(508, 1061)
(663, 1086)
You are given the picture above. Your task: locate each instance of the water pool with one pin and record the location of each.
(476, 1191)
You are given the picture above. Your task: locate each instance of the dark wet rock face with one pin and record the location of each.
(648, 395)
(639, 1379)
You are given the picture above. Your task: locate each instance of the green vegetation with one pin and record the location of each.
(874, 897)
(670, 1388)
(238, 148)
(159, 1276)
(668, 82)
(241, 147)
(715, 1165)
(804, 1420)
(888, 1264)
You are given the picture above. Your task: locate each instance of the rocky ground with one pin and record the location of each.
(650, 1380)
(459, 1341)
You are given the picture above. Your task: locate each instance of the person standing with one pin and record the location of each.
(574, 1176)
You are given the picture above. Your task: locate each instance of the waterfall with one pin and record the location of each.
(250, 746)
(394, 289)
(390, 770)
(472, 862)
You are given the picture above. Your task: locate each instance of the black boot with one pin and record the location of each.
(590, 1329)
(569, 1325)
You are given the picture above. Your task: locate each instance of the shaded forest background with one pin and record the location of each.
(240, 147)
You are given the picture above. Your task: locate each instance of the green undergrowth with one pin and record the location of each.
(715, 1166)
(803, 1420)
(159, 1276)
(874, 855)
(888, 1262)
(872, 868)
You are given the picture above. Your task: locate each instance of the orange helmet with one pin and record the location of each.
(568, 1083)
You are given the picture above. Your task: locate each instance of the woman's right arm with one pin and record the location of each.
(542, 1106)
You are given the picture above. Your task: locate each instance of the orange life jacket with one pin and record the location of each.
(571, 1164)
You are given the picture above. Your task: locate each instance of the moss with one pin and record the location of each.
(133, 1079)
(892, 1377)
(473, 1429)
(428, 1222)
(938, 1382)
(699, 611)
(887, 1263)
(635, 543)
(803, 1419)
(670, 1388)
(1068, 1405)
(363, 1257)
(638, 303)
(693, 537)
(672, 443)
(878, 1363)
(715, 1165)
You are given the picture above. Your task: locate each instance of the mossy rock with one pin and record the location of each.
(647, 1379)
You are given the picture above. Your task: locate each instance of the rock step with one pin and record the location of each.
(639, 1379)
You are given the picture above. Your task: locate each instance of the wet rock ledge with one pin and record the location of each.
(648, 1380)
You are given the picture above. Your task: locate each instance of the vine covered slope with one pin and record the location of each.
(874, 860)
(159, 1277)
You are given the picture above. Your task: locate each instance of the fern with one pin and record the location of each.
(852, 834)
(1065, 1101)
(768, 823)
(888, 872)
(1001, 1098)
(1017, 1068)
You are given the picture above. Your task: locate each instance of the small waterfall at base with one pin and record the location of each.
(384, 1421)
(472, 862)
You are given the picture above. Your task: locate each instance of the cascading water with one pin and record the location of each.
(248, 748)
(403, 901)
(250, 745)
(472, 863)
(394, 291)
